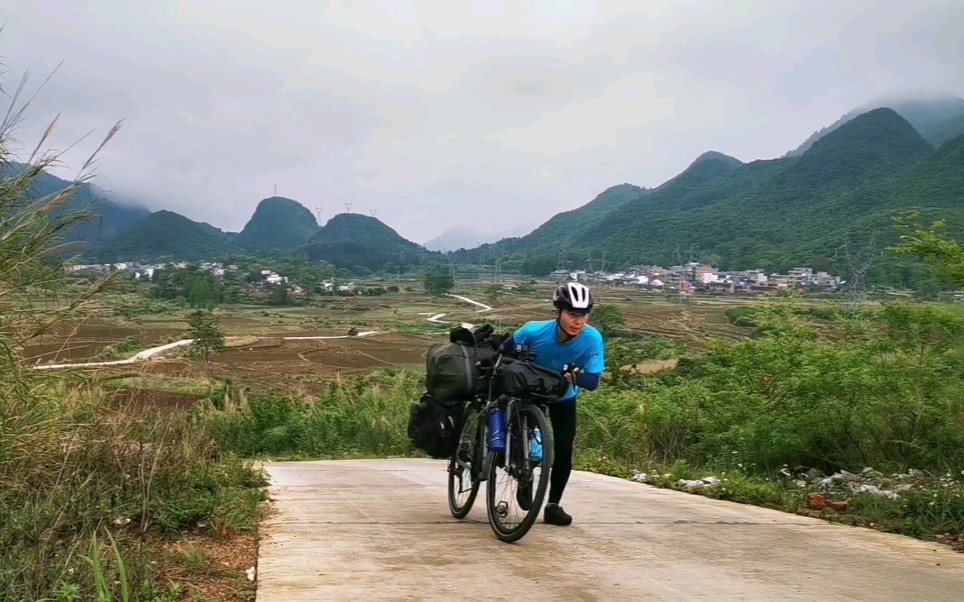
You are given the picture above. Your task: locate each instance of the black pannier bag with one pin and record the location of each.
(524, 379)
(433, 425)
(452, 370)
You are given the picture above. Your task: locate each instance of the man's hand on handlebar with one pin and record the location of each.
(570, 372)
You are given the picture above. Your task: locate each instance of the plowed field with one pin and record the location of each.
(323, 357)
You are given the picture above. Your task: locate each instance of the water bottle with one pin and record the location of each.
(536, 447)
(497, 429)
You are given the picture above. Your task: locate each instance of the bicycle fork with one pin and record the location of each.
(505, 453)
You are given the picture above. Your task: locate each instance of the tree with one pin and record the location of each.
(438, 284)
(943, 254)
(204, 329)
(526, 287)
(494, 292)
(607, 318)
(309, 278)
(279, 293)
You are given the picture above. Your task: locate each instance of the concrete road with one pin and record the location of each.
(381, 530)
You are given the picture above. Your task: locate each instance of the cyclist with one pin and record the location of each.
(568, 344)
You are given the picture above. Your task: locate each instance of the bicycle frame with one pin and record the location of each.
(481, 447)
(482, 436)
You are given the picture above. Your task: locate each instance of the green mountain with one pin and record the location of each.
(938, 118)
(772, 214)
(111, 214)
(350, 240)
(772, 211)
(278, 223)
(166, 234)
(871, 146)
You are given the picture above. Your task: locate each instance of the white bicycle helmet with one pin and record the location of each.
(573, 296)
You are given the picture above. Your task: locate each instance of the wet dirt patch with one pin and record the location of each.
(652, 366)
(90, 340)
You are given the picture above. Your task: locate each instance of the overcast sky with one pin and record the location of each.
(494, 113)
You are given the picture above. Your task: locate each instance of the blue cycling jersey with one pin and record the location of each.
(585, 352)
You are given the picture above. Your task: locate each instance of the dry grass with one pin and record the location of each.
(210, 568)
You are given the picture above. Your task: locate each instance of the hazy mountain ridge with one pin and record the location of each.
(755, 214)
(938, 118)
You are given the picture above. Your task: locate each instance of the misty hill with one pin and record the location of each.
(562, 230)
(278, 223)
(466, 237)
(776, 213)
(166, 234)
(457, 237)
(350, 239)
(111, 214)
(944, 131)
(938, 118)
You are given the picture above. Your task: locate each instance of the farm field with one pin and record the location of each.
(263, 353)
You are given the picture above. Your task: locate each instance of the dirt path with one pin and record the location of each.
(156, 351)
(380, 530)
(437, 318)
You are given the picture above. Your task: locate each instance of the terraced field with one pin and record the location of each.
(261, 354)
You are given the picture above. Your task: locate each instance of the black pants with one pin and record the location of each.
(562, 416)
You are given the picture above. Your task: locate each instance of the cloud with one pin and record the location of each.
(438, 114)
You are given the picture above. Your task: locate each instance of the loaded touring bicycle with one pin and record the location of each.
(484, 411)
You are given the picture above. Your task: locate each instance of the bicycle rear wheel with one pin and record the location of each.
(517, 485)
(465, 464)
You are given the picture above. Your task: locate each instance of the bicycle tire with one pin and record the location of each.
(515, 534)
(457, 473)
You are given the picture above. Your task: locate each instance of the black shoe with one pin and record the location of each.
(555, 515)
(523, 494)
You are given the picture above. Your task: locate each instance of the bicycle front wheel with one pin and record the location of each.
(518, 480)
(465, 464)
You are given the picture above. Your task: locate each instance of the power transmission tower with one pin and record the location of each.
(348, 206)
(561, 261)
(498, 267)
(372, 212)
(860, 258)
(589, 262)
(318, 213)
